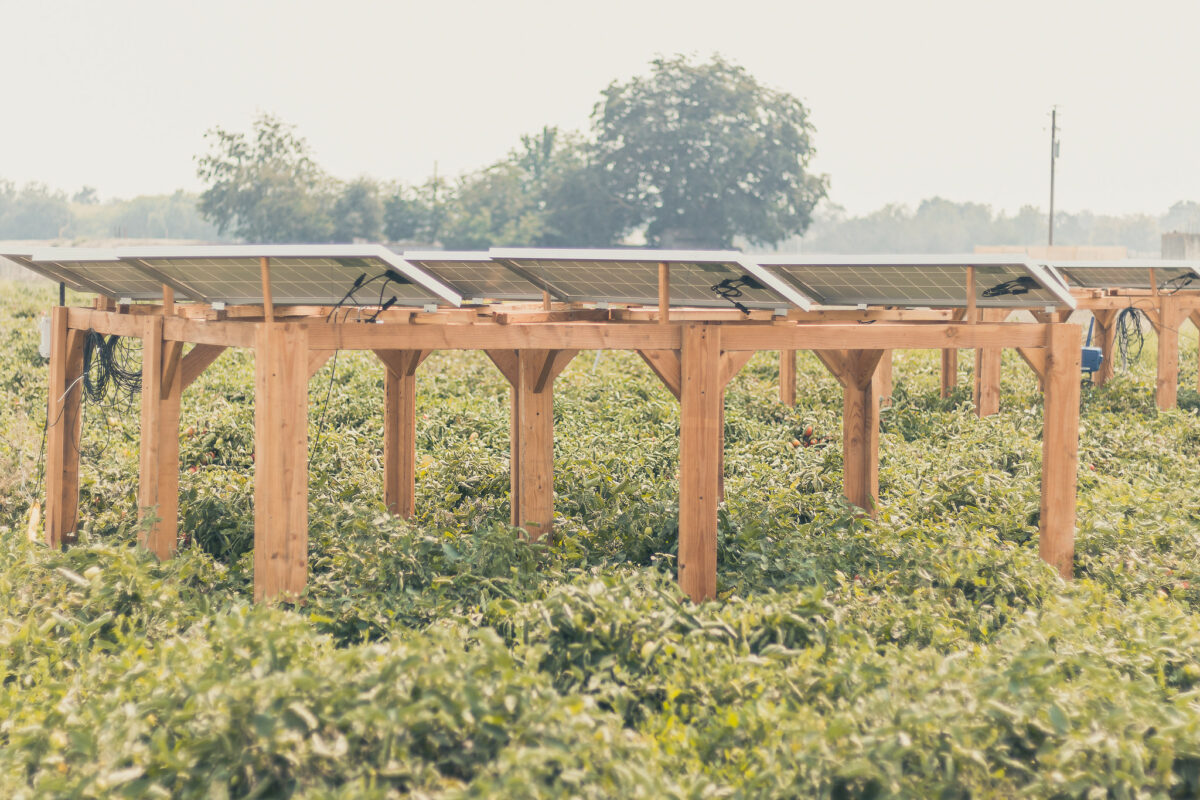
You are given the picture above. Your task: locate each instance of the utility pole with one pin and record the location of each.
(1053, 158)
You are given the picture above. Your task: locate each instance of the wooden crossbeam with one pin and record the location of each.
(665, 364)
(198, 359)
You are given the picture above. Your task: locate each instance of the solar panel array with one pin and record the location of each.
(325, 274)
(1169, 275)
(916, 281)
(697, 279)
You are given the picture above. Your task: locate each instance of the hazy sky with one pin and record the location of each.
(910, 99)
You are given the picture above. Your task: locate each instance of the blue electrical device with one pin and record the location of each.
(1091, 357)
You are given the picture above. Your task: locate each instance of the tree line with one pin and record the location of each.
(35, 211)
(693, 154)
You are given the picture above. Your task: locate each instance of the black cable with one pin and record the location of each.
(1129, 329)
(1020, 285)
(731, 288)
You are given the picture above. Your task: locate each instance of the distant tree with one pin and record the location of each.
(33, 212)
(86, 196)
(416, 213)
(704, 153)
(491, 207)
(265, 188)
(358, 212)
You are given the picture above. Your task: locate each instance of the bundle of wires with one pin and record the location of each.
(112, 369)
(1129, 331)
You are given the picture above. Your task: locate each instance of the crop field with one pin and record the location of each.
(929, 653)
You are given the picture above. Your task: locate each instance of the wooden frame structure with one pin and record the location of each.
(693, 352)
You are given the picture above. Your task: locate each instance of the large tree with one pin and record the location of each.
(704, 153)
(266, 187)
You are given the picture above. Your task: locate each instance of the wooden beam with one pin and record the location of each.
(1060, 448)
(700, 444)
(197, 360)
(860, 429)
(227, 334)
(1104, 336)
(158, 451)
(987, 368)
(971, 317)
(1166, 384)
(64, 426)
(665, 364)
(1036, 359)
(546, 304)
(268, 305)
(664, 293)
(506, 362)
(635, 336)
(787, 377)
(533, 434)
(555, 362)
(949, 371)
(281, 460)
(835, 361)
(732, 363)
(316, 360)
(884, 374)
(400, 429)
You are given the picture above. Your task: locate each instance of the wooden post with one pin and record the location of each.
(787, 377)
(700, 444)
(971, 316)
(532, 465)
(400, 429)
(664, 293)
(860, 429)
(883, 376)
(1060, 447)
(1166, 386)
(268, 304)
(546, 303)
(281, 460)
(158, 457)
(1104, 336)
(1195, 318)
(64, 426)
(987, 369)
(949, 371)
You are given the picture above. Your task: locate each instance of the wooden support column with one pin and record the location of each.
(1166, 385)
(1060, 447)
(531, 374)
(787, 377)
(281, 460)
(700, 444)
(949, 371)
(1195, 318)
(158, 462)
(860, 429)
(1103, 336)
(64, 426)
(987, 369)
(400, 429)
(883, 376)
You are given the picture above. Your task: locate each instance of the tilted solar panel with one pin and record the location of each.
(920, 281)
(101, 269)
(300, 274)
(474, 275)
(714, 279)
(1130, 274)
(49, 271)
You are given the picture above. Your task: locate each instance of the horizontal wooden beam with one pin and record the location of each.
(541, 336)
(105, 322)
(883, 336)
(229, 334)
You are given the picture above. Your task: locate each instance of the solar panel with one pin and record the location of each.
(102, 270)
(48, 271)
(300, 274)
(475, 275)
(1130, 274)
(700, 279)
(920, 281)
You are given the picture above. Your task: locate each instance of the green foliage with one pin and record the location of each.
(706, 153)
(358, 212)
(265, 187)
(929, 653)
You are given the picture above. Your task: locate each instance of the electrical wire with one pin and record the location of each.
(1129, 331)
